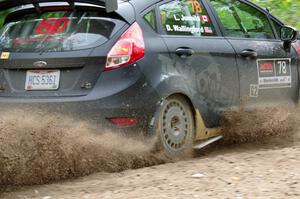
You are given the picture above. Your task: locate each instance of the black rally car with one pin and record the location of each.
(161, 67)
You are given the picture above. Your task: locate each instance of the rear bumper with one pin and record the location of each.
(130, 98)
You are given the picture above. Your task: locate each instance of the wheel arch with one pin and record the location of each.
(201, 131)
(182, 87)
(199, 125)
(186, 97)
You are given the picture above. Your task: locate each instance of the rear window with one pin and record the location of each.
(57, 31)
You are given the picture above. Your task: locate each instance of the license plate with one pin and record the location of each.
(42, 80)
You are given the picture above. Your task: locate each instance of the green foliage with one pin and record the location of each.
(2, 17)
(286, 10)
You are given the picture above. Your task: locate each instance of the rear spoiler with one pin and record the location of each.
(110, 5)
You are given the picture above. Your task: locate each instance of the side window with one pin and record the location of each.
(150, 18)
(242, 20)
(186, 17)
(277, 27)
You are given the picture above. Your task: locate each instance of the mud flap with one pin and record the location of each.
(153, 123)
(207, 142)
(202, 132)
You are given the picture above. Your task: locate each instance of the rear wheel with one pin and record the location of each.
(176, 127)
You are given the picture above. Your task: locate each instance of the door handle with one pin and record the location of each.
(184, 52)
(249, 53)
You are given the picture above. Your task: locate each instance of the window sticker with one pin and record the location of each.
(193, 18)
(274, 73)
(52, 26)
(186, 17)
(254, 90)
(196, 7)
(208, 30)
(204, 19)
(5, 55)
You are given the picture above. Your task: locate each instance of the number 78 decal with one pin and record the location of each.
(274, 73)
(282, 67)
(196, 6)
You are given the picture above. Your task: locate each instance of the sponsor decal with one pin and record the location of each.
(52, 26)
(274, 73)
(5, 55)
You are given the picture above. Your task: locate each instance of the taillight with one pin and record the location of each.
(298, 49)
(129, 49)
(124, 121)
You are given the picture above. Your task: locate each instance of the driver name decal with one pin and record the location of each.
(274, 73)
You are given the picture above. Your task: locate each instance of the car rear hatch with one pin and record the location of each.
(48, 48)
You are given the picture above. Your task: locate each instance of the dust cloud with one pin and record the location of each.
(40, 149)
(37, 149)
(259, 125)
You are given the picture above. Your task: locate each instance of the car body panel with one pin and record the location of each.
(267, 49)
(249, 73)
(210, 76)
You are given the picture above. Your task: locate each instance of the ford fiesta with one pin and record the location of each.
(162, 67)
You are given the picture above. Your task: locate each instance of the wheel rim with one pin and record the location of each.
(175, 126)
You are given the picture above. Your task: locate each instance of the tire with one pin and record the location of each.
(176, 128)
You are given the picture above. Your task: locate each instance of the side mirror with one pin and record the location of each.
(288, 35)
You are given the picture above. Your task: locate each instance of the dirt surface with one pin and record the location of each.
(248, 171)
(268, 169)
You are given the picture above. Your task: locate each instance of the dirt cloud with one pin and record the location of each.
(259, 124)
(38, 149)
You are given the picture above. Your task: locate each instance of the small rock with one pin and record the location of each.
(198, 175)
(236, 178)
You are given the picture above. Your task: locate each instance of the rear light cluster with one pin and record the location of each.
(128, 49)
(298, 49)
